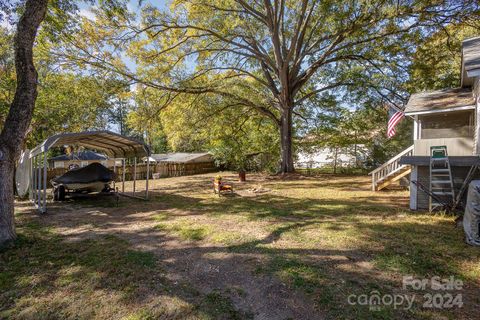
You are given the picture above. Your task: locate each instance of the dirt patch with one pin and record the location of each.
(207, 267)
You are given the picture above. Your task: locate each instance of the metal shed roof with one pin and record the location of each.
(470, 60)
(440, 100)
(112, 144)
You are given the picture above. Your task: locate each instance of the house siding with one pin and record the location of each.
(461, 146)
(476, 94)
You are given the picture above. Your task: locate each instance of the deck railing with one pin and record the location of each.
(390, 167)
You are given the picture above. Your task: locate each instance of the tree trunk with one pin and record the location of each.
(7, 224)
(286, 141)
(21, 110)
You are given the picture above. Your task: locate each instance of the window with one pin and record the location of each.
(447, 125)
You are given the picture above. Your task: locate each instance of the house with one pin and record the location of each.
(182, 157)
(448, 117)
(80, 159)
(342, 157)
(181, 163)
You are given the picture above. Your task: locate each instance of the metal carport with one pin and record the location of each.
(112, 144)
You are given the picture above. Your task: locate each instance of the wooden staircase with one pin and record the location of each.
(391, 171)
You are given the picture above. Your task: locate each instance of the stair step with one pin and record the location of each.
(440, 170)
(438, 193)
(441, 181)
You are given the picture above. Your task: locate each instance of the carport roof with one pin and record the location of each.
(112, 144)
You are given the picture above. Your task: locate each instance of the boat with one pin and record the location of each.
(93, 178)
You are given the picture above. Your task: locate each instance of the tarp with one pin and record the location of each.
(471, 218)
(22, 174)
(94, 172)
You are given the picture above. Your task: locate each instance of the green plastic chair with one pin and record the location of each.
(438, 151)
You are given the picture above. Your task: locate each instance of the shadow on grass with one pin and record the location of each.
(387, 244)
(44, 277)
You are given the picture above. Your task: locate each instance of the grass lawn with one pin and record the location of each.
(295, 248)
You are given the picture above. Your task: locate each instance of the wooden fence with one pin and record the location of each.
(159, 169)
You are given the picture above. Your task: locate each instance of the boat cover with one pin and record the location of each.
(471, 218)
(94, 172)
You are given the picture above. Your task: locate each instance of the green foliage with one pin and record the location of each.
(202, 86)
(7, 73)
(235, 53)
(360, 132)
(67, 101)
(237, 139)
(144, 118)
(436, 63)
(70, 103)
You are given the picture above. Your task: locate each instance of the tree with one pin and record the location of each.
(144, 119)
(56, 111)
(98, 102)
(101, 100)
(117, 114)
(436, 63)
(20, 113)
(206, 123)
(291, 49)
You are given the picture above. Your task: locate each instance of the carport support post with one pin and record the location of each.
(148, 176)
(32, 181)
(123, 176)
(39, 183)
(30, 170)
(44, 183)
(134, 174)
(35, 183)
(115, 172)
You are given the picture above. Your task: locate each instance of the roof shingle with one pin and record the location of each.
(440, 100)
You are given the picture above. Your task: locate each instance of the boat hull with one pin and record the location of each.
(90, 187)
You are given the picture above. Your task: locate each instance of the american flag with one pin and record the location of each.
(395, 118)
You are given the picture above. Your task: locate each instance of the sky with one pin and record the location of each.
(132, 5)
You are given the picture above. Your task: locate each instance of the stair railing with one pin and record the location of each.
(390, 167)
